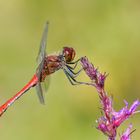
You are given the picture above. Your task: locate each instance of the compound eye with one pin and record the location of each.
(69, 54)
(73, 55)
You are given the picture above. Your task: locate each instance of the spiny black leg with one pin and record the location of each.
(74, 74)
(73, 78)
(76, 62)
(72, 68)
(69, 78)
(73, 81)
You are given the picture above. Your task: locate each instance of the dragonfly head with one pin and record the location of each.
(69, 54)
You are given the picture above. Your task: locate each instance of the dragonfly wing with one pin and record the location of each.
(40, 93)
(40, 60)
(42, 49)
(42, 88)
(46, 84)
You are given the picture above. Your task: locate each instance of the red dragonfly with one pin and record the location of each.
(48, 64)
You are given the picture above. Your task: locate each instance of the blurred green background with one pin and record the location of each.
(108, 32)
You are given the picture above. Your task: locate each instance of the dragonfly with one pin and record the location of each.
(47, 65)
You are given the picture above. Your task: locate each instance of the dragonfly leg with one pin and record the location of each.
(70, 69)
(74, 74)
(72, 79)
(69, 77)
(76, 63)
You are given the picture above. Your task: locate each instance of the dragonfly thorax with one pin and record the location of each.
(52, 63)
(69, 54)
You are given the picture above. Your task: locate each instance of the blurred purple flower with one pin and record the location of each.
(125, 113)
(109, 125)
(111, 119)
(126, 135)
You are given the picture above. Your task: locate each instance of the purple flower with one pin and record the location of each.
(125, 113)
(96, 77)
(89, 68)
(109, 125)
(126, 135)
(101, 79)
(111, 119)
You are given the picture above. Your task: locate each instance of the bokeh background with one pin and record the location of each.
(108, 32)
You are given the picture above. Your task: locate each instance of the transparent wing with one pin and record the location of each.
(46, 84)
(38, 86)
(40, 93)
(42, 49)
(42, 88)
(40, 60)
